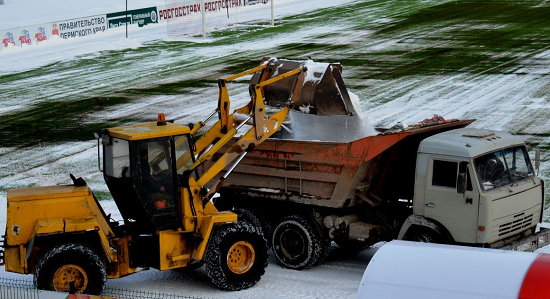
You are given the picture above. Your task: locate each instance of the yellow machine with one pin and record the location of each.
(62, 235)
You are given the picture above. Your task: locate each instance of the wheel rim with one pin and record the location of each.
(424, 238)
(292, 243)
(240, 257)
(70, 273)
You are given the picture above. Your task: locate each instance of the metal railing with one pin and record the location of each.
(11, 288)
(17, 289)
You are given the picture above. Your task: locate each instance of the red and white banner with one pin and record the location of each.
(411, 270)
(36, 34)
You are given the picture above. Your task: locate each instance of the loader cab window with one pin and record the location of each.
(117, 159)
(157, 176)
(184, 154)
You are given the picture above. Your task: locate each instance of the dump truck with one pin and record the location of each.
(62, 236)
(435, 181)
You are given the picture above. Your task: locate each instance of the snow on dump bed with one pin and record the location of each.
(333, 128)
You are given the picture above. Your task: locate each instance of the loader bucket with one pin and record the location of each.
(320, 91)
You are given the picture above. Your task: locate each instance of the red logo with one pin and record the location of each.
(25, 37)
(7, 41)
(55, 31)
(24, 40)
(39, 37)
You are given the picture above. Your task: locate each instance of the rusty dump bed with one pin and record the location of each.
(333, 174)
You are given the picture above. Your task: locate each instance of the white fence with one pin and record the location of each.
(186, 17)
(182, 18)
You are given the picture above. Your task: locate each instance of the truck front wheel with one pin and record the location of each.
(424, 236)
(236, 256)
(71, 267)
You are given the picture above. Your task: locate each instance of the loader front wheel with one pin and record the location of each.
(236, 256)
(71, 267)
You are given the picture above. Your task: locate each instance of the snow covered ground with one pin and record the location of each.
(339, 277)
(67, 71)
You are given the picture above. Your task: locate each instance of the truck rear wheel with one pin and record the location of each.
(237, 256)
(324, 250)
(296, 243)
(71, 266)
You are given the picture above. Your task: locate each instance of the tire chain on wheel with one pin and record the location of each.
(216, 256)
(316, 252)
(324, 250)
(247, 216)
(72, 253)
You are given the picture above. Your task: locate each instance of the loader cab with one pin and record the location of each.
(142, 165)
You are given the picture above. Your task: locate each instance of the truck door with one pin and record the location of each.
(456, 211)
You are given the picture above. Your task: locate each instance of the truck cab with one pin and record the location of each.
(476, 187)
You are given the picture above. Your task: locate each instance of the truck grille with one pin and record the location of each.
(515, 225)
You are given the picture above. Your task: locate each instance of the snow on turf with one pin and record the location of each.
(51, 164)
(497, 101)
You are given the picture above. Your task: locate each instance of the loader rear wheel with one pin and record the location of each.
(71, 265)
(296, 243)
(236, 256)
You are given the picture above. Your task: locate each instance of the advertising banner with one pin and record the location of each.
(25, 36)
(141, 17)
(80, 27)
(35, 34)
(184, 17)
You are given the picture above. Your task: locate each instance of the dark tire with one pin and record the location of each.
(296, 243)
(323, 251)
(236, 256)
(190, 267)
(351, 245)
(247, 216)
(258, 220)
(424, 236)
(267, 228)
(194, 265)
(71, 263)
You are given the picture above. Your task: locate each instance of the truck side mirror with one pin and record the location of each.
(462, 180)
(461, 183)
(537, 160)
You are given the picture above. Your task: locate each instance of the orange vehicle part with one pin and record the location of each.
(332, 174)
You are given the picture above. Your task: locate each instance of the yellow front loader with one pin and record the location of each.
(62, 235)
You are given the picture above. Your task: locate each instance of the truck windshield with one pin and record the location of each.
(503, 167)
